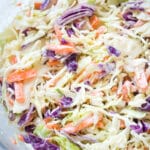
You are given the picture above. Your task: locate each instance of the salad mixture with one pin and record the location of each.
(75, 74)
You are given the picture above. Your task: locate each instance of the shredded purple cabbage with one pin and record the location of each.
(106, 69)
(49, 54)
(128, 16)
(63, 41)
(70, 32)
(25, 45)
(55, 113)
(0, 88)
(113, 51)
(25, 32)
(76, 13)
(11, 116)
(39, 143)
(148, 99)
(30, 128)
(71, 63)
(27, 116)
(66, 101)
(11, 86)
(146, 106)
(45, 4)
(87, 82)
(77, 89)
(79, 24)
(136, 5)
(140, 127)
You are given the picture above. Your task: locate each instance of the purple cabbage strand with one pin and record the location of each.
(70, 32)
(49, 54)
(140, 127)
(66, 101)
(75, 13)
(47, 4)
(146, 106)
(113, 51)
(71, 63)
(106, 69)
(55, 113)
(39, 143)
(27, 116)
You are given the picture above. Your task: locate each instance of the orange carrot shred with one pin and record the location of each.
(58, 32)
(46, 120)
(139, 23)
(53, 62)
(13, 59)
(19, 4)
(28, 13)
(95, 22)
(13, 141)
(100, 124)
(37, 5)
(20, 75)
(141, 81)
(114, 88)
(122, 124)
(11, 102)
(62, 49)
(53, 126)
(101, 30)
(19, 92)
(83, 124)
(20, 137)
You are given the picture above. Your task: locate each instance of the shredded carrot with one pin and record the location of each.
(53, 126)
(19, 92)
(53, 82)
(106, 58)
(139, 23)
(95, 22)
(13, 59)
(20, 75)
(69, 128)
(46, 120)
(141, 81)
(94, 77)
(126, 87)
(100, 124)
(11, 102)
(19, 4)
(62, 49)
(58, 32)
(20, 137)
(101, 30)
(148, 79)
(37, 5)
(122, 124)
(13, 141)
(53, 62)
(114, 88)
(87, 122)
(28, 13)
(83, 124)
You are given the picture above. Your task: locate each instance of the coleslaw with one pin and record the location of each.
(75, 74)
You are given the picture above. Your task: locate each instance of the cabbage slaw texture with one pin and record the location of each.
(75, 74)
